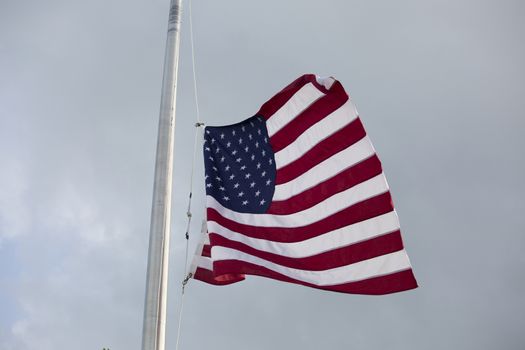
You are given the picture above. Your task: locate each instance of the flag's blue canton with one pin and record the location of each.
(240, 165)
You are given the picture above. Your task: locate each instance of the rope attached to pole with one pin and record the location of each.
(187, 274)
(193, 66)
(198, 124)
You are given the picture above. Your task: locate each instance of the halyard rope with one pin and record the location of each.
(198, 125)
(193, 66)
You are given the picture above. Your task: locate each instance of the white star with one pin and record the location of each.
(244, 202)
(233, 132)
(208, 132)
(262, 202)
(257, 144)
(265, 140)
(243, 167)
(222, 159)
(208, 149)
(253, 157)
(217, 150)
(246, 149)
(218, 178)
(240, 194)
(222, 136)
(232, 176)
(268, 182)
(212, 141)
(226, 198)
(250, 136)
(208, 185)
(263, 153)
(252, 185)
(210, 158)
(207, 176)
(214, 167)
(240, 140)
(236, 185)
(263, 174)
(222, 188)
(227, 168)
(234, 152)
(243, 128)
(252, 124)
(258, 165)
(228, 144)
(238, 160)
(257, 193)
(259, 131)
(270, 161)
(247, 176)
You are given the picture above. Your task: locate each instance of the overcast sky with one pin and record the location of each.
(439, 86)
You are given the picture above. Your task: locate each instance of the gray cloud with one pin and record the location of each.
(438, 85)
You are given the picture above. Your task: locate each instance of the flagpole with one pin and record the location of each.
(154, 322)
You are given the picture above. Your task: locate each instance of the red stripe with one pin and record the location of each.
(206, 251)
(317, 111)
(337, 142)
(371, 248)
(392, 283)
(207, 276)
(350, 177)
(278, 100)
(364, 210)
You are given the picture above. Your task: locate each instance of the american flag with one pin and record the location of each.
(297, 193)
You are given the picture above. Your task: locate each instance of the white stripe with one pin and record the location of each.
(199, 249)
(339, 238)
(327, 82)
(329, 206)
(378, 266)
(328, 168)
(197, 259)
(204, 240)
(205, 263)
(201, 262)
(315, 134)
(303, 98)
(205, 237)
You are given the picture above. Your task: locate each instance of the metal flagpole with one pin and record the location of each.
(154, 324)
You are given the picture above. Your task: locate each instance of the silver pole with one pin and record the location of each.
(154, 324)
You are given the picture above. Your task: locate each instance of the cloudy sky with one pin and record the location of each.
(439, 88)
